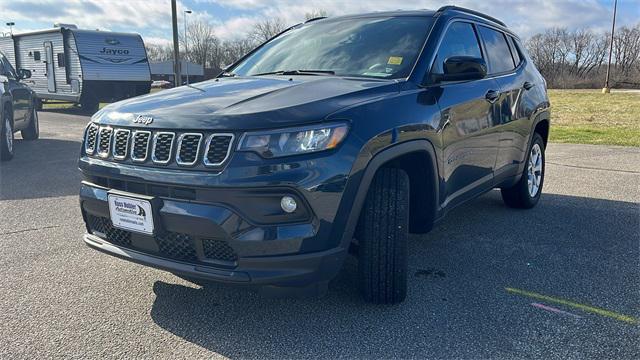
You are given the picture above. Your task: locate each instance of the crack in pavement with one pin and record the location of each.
(30, 229)
(594, 168)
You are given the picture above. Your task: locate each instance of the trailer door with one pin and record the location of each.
(51, 66)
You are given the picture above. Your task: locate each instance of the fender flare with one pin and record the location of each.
(379, 160)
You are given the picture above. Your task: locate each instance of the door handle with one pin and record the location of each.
(492, 96)
(528, 85)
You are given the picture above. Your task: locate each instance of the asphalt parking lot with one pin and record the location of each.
(559, 281)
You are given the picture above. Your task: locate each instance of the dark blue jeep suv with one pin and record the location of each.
(338, 136)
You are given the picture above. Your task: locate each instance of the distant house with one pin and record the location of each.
(164, 71)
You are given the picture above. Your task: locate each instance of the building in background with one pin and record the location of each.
(164, 71)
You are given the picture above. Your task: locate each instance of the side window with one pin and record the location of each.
(515, 51)
(459, 40)
(6, 69)
(498, 52)
(60, 60)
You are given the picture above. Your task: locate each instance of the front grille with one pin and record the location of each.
(218, 250)
(188, 148)
(162, 147)
(140, 146)
(171, 245)
(218, 149)
(104, 141)
(90, 142)
(120, 143)
(103, 227)
(177, 246)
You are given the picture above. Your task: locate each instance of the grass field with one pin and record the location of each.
(589, 117)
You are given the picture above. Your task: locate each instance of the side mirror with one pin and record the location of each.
(24, 74)
(462, 68)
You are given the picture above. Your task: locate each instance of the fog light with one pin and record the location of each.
(288, 204)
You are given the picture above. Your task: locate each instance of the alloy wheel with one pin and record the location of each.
(534, 170)
(8, 133)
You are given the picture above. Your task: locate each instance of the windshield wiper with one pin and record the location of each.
(228, 74)
(298, 72)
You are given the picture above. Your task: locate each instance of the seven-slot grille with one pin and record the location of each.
(90, 144)
(104, 141)
(120, 143)
(188, 148)
(218, 148)
(140, 147)
(160, 147)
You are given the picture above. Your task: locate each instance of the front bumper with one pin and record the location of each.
(216, 241)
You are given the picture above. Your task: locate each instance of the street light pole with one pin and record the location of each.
(606, 89)
(186, 46)
(10, 25)
(177, 79)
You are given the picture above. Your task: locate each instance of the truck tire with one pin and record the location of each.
(32, 132)
(6, 137)
(382, 236)
(525, 194)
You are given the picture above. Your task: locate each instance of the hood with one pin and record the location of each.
(246, 103)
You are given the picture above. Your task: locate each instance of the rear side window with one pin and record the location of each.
(515, 50)
(498, 53)
(459, 40)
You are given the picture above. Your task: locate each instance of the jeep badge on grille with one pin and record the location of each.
(143, 119)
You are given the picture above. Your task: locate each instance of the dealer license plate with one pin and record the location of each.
(131, 214)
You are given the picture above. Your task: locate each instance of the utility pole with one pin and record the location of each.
(176, 49)
(606, 88)
(186, 45)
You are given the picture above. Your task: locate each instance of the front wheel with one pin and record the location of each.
(382, 236)
(525, 194)
(6, 138)
(32, 132)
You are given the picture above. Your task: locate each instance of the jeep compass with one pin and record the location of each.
(337, 137)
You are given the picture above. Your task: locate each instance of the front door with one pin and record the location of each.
(469, 111)
(51, 76)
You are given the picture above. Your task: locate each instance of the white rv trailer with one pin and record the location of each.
(81, 66)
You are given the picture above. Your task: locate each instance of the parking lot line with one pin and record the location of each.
(587, 308)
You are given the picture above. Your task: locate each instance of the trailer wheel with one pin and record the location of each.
(90, 105)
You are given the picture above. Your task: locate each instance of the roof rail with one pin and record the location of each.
(469, 11)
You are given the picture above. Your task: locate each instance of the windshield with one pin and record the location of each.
(373, 47)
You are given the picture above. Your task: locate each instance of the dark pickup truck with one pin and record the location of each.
(339, 136)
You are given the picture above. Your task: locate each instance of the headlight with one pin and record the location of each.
(294, 141)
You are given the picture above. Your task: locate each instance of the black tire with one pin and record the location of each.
(382, 236)
(38, 104)
(90, 105)
(519, 196)
(32, 132)
(6, 128)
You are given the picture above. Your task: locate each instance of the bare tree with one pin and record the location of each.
(202, 45)
(157, 53)
(316, 13)
(266, 29)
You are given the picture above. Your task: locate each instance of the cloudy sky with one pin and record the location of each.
(232, 18)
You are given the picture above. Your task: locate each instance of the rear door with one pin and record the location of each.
(470, 114)
(504, 65)
(51, 66)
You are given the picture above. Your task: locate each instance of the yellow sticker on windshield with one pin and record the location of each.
(395, 60)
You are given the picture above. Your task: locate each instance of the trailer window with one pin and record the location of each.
(36, 55)
(60, 60)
